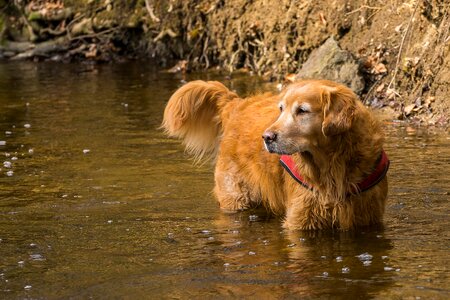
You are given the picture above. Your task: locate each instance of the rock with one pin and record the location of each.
(330, 62)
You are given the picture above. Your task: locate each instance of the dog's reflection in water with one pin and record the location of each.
(282, 263)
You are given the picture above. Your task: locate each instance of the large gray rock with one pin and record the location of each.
(330, 62)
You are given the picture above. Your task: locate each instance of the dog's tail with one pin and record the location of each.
(194, 114)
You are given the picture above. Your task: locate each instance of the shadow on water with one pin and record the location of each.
(100, 203)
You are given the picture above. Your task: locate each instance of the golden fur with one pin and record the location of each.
(334, 140)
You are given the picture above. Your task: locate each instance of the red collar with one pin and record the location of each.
(380, 170)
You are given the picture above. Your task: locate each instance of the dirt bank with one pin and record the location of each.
(403, 47)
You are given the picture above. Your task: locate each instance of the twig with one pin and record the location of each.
(93, 35)
(363, 6)
(401, 47)
(149, 8)
(163, 33)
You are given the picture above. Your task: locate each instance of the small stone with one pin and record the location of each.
(388, 268)
(7, 164)
(367, 263)
(291, 245)
(27, 125)
(206, 231)
(14, 158)
(31, 151)
(253, 218)
(110, 221)
(364, 257)
(384, 257)
(2, 143)
(325, 274)
(345, 270)
(8, 132)
(27, 287)
(339, 258)
(10, 173)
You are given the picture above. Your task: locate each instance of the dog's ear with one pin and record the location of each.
(339, 105)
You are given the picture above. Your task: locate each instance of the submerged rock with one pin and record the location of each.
(331, 62)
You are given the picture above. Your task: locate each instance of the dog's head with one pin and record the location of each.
(311, 112)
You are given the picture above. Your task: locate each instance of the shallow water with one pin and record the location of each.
(101, 204)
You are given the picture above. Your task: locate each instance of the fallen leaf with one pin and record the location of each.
(380, 68)
(380, 88)
(290, 77)
(408, 109)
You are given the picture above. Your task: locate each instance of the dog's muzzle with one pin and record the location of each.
(270, 138)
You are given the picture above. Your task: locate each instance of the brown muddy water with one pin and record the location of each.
(95, 202)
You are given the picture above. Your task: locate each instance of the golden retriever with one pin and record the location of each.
(329, 142)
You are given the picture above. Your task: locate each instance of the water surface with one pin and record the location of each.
(101, 204)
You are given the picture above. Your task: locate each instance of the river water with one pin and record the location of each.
(96, 202)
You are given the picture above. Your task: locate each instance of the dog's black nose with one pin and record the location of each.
(269, 137)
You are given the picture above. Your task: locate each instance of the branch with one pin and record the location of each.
(149, 8)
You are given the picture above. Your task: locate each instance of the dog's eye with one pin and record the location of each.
(301, 110)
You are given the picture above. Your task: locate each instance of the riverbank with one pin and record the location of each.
(401, 48)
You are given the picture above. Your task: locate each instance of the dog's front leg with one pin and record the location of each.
(305, 213)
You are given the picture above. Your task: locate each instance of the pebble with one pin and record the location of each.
(2, 143)
(323, 257)
(367, 263)
(85, 151)
(364, 257)
(226, 265)
(388, 268)
(9, 173)
(110, 221)
(27, 287)
(21, 263)
(345, 270)
(211, 238)
(339, 258)
(37, 257)
(27, 125)
(251, 253)
(253, 217)
(206, 231)
(31, 151)
(8, 132)
(7, 164)
(325, 274)
(14, 158)
(302, 239)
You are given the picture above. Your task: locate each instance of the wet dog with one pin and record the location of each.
(320, 164)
